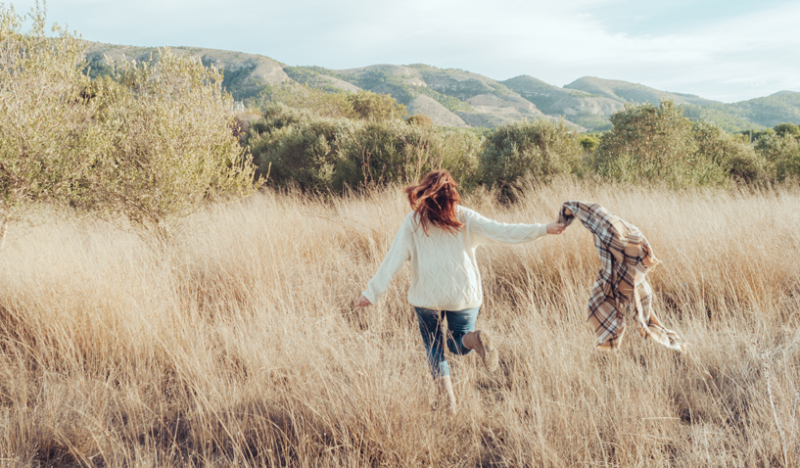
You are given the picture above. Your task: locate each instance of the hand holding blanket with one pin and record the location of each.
(621, 284)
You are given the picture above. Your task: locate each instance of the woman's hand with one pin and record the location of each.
(363, 302)
(556, 228)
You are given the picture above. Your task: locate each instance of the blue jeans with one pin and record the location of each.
(459, 323)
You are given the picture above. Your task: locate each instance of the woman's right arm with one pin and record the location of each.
(398, 254)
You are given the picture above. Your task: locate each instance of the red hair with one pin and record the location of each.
(434, 201)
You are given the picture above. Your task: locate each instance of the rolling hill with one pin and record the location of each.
(458, 98)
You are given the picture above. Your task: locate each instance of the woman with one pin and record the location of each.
(439, 237)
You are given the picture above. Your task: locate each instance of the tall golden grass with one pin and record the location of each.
(237, 342)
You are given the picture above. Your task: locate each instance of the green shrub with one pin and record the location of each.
(420, 120)
(46, 112)
(460, 152)
(589, 142)
(295, 147)
(389, 152)
(150, 143)
(535, 151)
(654, 144)
(319, 154)
(372, 106)
(754, 135)
(787, 129)
(783, 153)
(364, 105)
(275, 117)
(734, 156)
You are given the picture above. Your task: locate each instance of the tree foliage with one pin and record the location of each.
(540, 151)
(783, 154)
(735, 157)
(654, 144)
(364, 105)
(788, 129)
(150, 143)
(647, 144)
(321, 154)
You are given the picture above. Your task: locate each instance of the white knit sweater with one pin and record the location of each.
(444, 273)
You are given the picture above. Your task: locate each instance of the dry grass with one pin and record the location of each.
(238, 343)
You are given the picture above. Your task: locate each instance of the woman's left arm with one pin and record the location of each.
(488, 231)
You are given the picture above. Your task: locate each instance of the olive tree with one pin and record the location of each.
(43, 124)
(654, 144)
(533, 151)
(150, 143)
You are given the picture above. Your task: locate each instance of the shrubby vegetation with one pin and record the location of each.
(522, 151)
(314, 149)
(783, 154)
(654, 144)
(322, 153)
(360, 105)
(151, 142)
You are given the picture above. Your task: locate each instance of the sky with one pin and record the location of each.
(726, 50)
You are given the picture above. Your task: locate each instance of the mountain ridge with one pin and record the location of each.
(455, 97)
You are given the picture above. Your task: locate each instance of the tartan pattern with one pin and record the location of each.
(621, 284)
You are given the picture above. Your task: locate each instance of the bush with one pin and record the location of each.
(322, 154)
(753, 135)
(787, 129)
(647, 144)
(736, 158)
(302, 152)
(535, 151)
(460, 152)
(152, 143)
(783, 153)
(420, 120)
(45, 116)
(589, 143)
(364, 105)
(389, 152)
(175, 147)
(654, 144)
(372, 106)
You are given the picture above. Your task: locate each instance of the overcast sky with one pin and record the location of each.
(728, 50)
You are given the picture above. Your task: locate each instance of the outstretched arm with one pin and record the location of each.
(487, 231)
(398, 254)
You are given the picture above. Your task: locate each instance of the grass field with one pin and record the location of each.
(237, 341)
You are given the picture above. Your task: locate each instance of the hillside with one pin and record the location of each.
(581, 107)
(457, 98)
(246, 75)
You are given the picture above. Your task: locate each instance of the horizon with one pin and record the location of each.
(723, 51)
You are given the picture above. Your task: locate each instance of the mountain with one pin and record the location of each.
(581, 107)
(458, 98)
(783, 106)
(623, 91)
(462, 96)
(245, 74)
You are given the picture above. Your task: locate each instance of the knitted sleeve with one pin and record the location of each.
(485, 231)
(399, 253)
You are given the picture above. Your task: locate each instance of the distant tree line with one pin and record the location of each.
(308, 146)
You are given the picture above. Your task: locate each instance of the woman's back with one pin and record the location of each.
(444, 271)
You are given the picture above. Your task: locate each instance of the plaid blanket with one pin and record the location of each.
(621, 285)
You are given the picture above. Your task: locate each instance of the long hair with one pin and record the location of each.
(434, 201)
